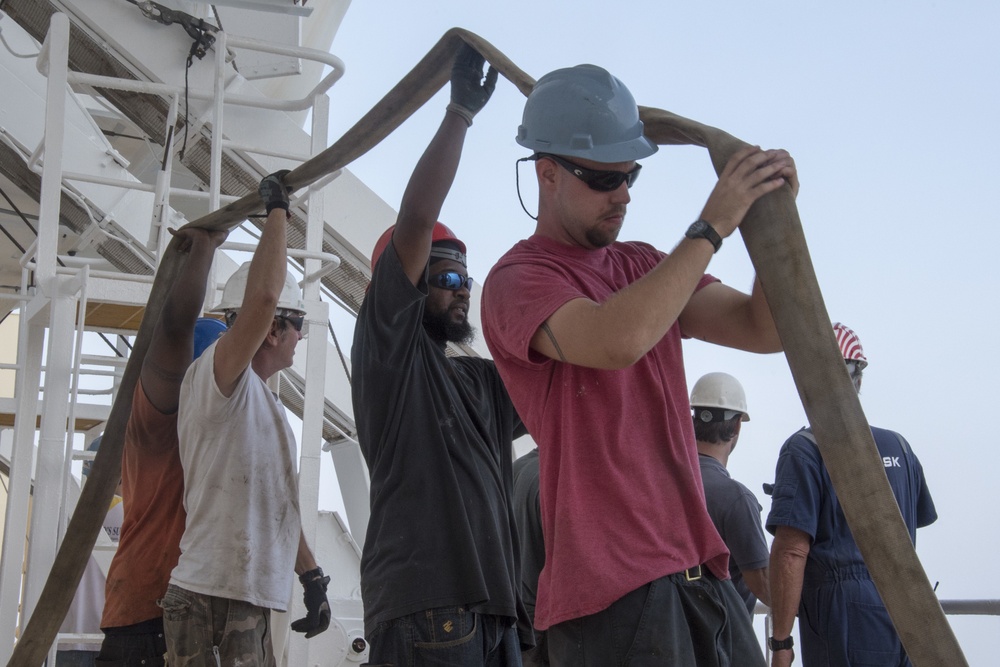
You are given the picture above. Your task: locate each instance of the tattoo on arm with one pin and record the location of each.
(552, 337)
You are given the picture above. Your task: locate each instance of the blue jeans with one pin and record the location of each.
(446, 637)
(675, 620)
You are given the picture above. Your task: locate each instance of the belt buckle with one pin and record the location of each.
(693, 573)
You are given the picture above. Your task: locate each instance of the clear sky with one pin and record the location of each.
(891, 111)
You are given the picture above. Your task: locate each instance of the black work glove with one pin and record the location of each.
(273, 191)
(469, 90)
(317, 606)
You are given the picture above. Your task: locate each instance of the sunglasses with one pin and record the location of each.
(450, 280)
(601, 181)
(295, 319)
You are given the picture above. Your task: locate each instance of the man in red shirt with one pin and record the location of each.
(586, 332)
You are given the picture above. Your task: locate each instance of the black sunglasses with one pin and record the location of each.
(295, 319)
(602, 181)
(451, 280)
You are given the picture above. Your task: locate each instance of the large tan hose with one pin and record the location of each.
(774, 239)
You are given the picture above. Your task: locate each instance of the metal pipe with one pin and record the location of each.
(54, 58)
(292, 252)
(313, 399)
(218, 129)
(336, 65)
(318, 185)
(152, 88)
(26, 383)
(81, 314)
(161, 196)
(140, 186)
(232, 145)
(108, 275)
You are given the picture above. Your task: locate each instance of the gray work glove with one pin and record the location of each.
(469, 90)
(273, 191)
(317, 618)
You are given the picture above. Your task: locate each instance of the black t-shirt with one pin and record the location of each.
(527, 513)
(436, 433)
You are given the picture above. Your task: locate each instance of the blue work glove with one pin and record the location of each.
(273, 191)
(317, 617)
(469, 90)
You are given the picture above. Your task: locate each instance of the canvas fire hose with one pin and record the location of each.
(777, 247)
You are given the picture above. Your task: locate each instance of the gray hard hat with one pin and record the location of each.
(584, 112)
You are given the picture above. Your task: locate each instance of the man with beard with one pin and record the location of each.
(586, 331)
(439, 569)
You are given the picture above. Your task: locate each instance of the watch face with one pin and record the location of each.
(700, 229)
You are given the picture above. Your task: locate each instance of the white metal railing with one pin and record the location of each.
(223, 40)
(219, 98)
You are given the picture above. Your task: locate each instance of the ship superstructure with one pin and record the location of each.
(123, 119)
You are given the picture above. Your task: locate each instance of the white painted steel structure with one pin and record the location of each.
(56, 288)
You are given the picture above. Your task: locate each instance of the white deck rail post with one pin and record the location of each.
(58, 291)
(301, 651)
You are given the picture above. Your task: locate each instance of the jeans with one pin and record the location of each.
(446, 637)
(674, 620)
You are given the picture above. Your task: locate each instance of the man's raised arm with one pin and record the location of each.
(435, 172)
(172, 344)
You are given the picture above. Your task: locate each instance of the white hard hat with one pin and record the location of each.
(721, 391)
(232, 293)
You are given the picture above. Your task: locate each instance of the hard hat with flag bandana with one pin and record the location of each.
(850, 345)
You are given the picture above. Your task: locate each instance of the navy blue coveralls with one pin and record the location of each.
(842, 620)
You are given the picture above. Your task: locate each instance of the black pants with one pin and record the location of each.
(139, 645)
(675, 620)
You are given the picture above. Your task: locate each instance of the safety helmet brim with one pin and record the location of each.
(584, 112)
(720, 391)
(232, 294)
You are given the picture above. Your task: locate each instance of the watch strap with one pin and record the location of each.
(785, 644)
(701, 229)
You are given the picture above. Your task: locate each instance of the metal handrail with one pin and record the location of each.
(954, 607)
(155, 88)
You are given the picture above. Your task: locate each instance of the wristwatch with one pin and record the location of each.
(700, 229)
(780, 644)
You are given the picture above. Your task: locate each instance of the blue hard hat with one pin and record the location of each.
(206, 331)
